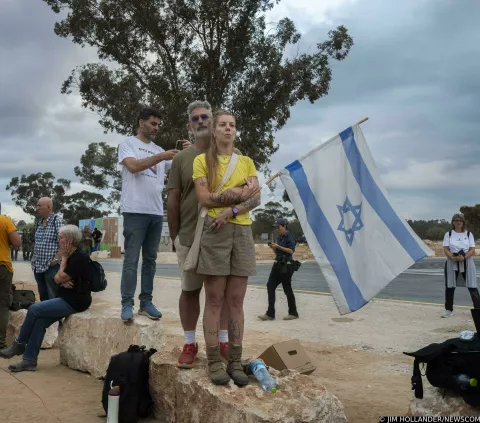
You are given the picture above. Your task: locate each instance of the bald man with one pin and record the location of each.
(46, 255)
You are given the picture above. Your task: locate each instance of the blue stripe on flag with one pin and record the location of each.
(377, 200)
(326, 237)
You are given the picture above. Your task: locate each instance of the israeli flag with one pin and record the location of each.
(357, 238)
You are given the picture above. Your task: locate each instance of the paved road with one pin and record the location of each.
(423, 282)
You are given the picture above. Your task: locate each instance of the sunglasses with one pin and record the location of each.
(197, 117)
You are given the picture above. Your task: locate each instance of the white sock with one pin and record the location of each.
(223, 336)
(189, 336)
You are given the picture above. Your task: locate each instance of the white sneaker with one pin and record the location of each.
(447, 313)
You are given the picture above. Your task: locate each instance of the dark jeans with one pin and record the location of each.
(39, 317)
(141, 231)
(47, 288)
(5, 301)
(13, 253)
(450, 293)
(276, 278)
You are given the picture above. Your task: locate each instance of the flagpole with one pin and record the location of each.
(272, 178)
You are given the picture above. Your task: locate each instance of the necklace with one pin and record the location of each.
(224, 161)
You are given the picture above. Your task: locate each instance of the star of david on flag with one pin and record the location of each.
(346, 225)
(358, 240)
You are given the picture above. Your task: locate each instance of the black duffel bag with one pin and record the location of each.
(21, 298)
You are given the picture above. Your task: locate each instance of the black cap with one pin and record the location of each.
(281, 222)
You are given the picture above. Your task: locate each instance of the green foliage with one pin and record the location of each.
(422, 228)
(98, 168)
(26, 190)
(166, 53)
(436, 233)
(83, 205)
(472, 216)
(265, 218)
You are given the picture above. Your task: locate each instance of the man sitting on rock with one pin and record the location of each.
(74, 296)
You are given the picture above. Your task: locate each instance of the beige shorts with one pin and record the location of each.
(230, 251)
(190, 281)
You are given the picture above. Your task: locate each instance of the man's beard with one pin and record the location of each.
(203, 133)
(151, 137)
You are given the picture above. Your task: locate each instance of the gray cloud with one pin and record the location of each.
(413, 70)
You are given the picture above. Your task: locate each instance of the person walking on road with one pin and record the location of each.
(282, 272)
(97, 239)
(459, 247)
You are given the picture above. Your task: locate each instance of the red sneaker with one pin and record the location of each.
(224, 351)
(187, 357)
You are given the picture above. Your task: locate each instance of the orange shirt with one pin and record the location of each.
(6, 228)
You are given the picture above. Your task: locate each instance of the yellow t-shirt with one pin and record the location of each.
(6, 228)
(245, 168)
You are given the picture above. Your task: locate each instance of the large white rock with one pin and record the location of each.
(189, 396)
(15, 322)
(440, 402)
(88, 340)
(99, 255)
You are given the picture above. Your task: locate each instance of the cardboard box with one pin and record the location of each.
(115, 252)
(288, 355)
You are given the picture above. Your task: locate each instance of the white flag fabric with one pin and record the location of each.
(356, 237)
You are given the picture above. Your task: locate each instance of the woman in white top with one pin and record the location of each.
(459, 247)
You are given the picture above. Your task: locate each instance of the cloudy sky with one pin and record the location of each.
(414, 71)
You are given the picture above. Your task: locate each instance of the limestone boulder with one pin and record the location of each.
(189, 396)
(96, 255)
(15, 322)
(440, 402)
(88, 340)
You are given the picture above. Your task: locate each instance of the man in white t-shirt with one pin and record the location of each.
(143, 165)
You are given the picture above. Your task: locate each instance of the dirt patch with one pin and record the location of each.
(369, 383)
(52, 394)
(264, 252)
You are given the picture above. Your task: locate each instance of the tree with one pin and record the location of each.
(435, 234)
(21, 224)
(83, 205)
(422, 227)
(99, 170)
(472, 216)
(26, 190)
(165, 53)
(265, 218)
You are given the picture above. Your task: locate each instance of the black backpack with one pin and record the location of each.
(130, 371)
(446, 360)
(98, 282)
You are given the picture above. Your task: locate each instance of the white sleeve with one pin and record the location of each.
(471, 241)
(446, 240)
(125, 150)
(168, 165)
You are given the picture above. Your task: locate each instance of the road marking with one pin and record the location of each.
(427, 272)
(305, 291)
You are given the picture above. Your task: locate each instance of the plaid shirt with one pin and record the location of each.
(46, 243)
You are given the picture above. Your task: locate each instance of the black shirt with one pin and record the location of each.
(287, 241)
(78, 268)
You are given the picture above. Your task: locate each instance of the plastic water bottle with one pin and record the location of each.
(113, 404)
(465, 382)
(257, 367)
